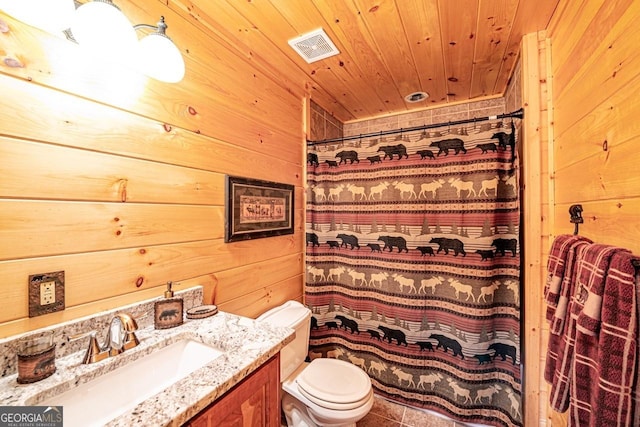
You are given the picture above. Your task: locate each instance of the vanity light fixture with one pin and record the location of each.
(101, 27)
(159, 56)
(53, 16)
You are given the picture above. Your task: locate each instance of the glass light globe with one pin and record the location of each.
(53, 16)
(102, 28)
(160, 59)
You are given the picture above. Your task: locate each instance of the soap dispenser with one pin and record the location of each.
(168, 311)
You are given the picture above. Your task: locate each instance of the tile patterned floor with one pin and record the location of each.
(386, 413)
(390, 414)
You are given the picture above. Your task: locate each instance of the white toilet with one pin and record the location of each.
(325, 392)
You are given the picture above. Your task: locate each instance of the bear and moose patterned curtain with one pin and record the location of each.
(413, 266)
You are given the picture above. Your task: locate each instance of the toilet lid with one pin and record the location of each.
(334, 384)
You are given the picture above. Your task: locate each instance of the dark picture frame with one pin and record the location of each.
(256, 209)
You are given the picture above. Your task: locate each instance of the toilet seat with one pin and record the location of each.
(334, 384)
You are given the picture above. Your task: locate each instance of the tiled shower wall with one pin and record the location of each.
(323, 124)
(487, 107)
(513, 94)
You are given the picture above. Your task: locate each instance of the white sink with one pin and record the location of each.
(102, 399)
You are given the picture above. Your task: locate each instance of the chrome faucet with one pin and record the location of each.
(120, 337)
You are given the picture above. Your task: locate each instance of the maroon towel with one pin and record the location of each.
(636, 390)
(556, 266)
(605, 350)
(591, 274)
(562, 335)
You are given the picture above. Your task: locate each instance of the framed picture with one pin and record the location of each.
(257, 209)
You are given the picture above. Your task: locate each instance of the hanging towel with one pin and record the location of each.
(560, 268)
(562, 335)
(636, 381)
(590, 279)
(605, 350)
(556, 267)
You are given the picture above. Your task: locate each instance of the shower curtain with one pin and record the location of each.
(413, 266)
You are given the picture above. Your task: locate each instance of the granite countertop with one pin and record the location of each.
(246, 345)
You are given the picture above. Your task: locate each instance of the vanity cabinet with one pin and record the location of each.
(255, 401)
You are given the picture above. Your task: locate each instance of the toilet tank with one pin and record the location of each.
(296, 316)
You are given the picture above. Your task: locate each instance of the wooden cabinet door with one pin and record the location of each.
(255, 402)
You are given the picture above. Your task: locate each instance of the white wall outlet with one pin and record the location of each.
(47, 292)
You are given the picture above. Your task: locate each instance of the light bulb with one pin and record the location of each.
(53, 16)
(160, 58)
(103, 29)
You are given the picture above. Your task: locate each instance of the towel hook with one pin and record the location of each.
(576, 216)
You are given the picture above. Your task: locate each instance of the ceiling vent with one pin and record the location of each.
(314, 46)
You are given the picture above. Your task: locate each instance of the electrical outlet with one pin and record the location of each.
(47, 292)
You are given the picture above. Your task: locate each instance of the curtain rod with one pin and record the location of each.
(515, 114)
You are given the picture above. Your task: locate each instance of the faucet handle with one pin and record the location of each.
(121, 335)
(94, 353)
(130, 325)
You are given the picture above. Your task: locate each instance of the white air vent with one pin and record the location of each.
(314, 46)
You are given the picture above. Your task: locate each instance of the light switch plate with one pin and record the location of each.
(46, 293)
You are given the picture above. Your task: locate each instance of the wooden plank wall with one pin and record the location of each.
(119, 180)
(596, 78)
(535, 191)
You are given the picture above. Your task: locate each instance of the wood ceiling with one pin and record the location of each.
(455, 50)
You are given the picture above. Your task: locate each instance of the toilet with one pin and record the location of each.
(325, 392)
